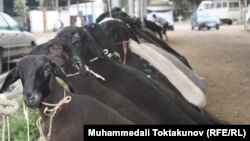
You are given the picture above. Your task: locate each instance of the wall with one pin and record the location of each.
(37, 21)
(1, 5)
(86, 8)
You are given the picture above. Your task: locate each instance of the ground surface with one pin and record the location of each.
(223, 59)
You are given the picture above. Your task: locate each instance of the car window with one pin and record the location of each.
(3, 23)
(12, 23)
(218, 5)
(224, 4)
(205, 14)
(212, 6)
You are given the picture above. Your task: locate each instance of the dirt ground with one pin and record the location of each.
(223, 58)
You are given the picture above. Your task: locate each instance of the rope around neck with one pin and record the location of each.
(38, 124)
(125, 49)
(26, 116)
(51, 113)
(94, 73)
(88, 70)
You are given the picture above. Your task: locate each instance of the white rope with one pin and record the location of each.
(8, 107)
(3, 130)
(38, 124)
(105, 52)
(51, 112)
(117, 55)
(70, 75)
(94, 73)
(94, 59)
(8, 127)
(26, 116)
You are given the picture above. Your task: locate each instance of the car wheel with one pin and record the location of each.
(192, 28)
(229, 22)
(32, 45)
(208, 28)
(199, 28)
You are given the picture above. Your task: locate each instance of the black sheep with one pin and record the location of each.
(143, 92)
(38, 75)
(88, 85)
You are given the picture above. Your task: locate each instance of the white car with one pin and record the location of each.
(14, 42)
(204, 19)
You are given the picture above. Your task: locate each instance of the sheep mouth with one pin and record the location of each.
(33, 105)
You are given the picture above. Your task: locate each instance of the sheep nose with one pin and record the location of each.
(28, 95)
(32, 100)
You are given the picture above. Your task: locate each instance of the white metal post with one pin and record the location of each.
(131, 8)
(245, 15)
(141, 5)
(57, 5)
(1, 5)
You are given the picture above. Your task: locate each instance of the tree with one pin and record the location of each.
(40, 2)
(180, 4)
(20, 7)
(183, 4)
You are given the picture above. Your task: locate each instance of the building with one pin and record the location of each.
(1, 5)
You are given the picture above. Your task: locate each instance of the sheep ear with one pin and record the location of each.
(96, 49)
(60, 75)
(10, 79)
(93, 46)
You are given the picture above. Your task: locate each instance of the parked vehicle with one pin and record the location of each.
(14, 42)
(226, 10)
(204, 19)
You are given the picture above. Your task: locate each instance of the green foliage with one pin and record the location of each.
(20, 7)
(19, 129)
(182, 4)
(40, 2)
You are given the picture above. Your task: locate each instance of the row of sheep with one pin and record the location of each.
(113, 72)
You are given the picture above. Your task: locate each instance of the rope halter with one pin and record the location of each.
(51, 112)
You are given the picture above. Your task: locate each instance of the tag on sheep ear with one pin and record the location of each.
(96, 49)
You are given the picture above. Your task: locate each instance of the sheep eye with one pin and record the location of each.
(47, 71)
